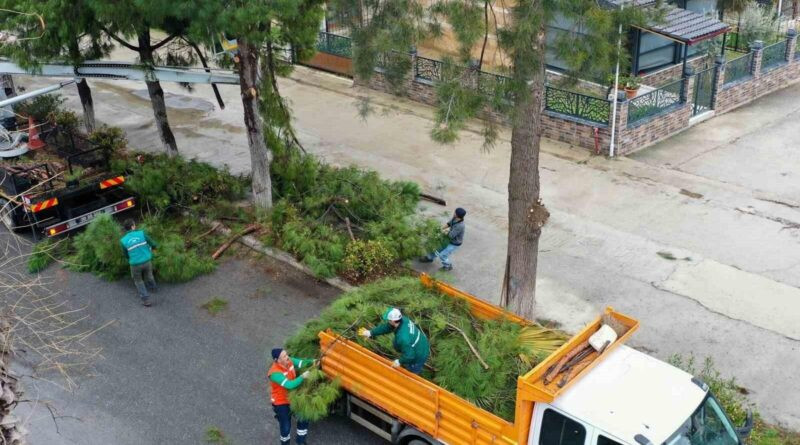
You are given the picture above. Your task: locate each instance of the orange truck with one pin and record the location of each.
(619, 397)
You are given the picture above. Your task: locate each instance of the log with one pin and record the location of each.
(249, 229)
(433, 199)
(469, 343)
(349, 229)
(552, 373)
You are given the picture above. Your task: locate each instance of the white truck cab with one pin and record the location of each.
(631, 398)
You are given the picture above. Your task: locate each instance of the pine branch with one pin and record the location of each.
(163, 42)
(119, 40)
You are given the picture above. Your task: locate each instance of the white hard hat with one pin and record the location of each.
(392, 314)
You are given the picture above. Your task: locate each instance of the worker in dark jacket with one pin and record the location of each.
(455, 235)
(282, 379)
(409, 340)
(138, 247)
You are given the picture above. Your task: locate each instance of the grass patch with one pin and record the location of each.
(215, 305)
(215, 436)
(508, 349)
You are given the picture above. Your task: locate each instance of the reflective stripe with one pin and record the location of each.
(302, 432)
(419, 334)
(283, 383)
(286, 439)
(137, 245)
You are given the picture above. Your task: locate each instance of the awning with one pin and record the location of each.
(688, 27)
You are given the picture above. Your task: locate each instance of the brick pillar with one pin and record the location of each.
(473, 73)
(620, 143)
(757, 48)
(791, 45)
(719, 79)
(688, 85)
(412, 54)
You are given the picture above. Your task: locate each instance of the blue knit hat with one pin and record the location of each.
(276, 353)
(461, 213)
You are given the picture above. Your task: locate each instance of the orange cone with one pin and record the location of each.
(34, 141)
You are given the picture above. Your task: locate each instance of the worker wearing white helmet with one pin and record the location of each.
(409, 340)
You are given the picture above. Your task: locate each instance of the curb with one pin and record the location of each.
(279, 255)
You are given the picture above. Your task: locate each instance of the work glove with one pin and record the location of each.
(305, 375)
(396, 364)
(316, 363)
(364, 332)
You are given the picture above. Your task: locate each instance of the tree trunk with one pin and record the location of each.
(260, 155)
(157, 96)
(85, 94)
(526, 214)
(12, 432)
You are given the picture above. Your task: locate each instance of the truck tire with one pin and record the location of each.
(418, 442)
(7, 216)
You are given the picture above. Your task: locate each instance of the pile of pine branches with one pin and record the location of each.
(476, 359)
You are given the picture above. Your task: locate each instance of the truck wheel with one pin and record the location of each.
(418, 442)
(7, 216)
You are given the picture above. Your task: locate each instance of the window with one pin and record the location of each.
(655, 51)
(603, 440)
(560, 430)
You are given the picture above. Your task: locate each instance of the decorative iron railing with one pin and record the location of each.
(577, 105)
(738, 69)
(428, 69)
(334, 44)
(490, 84)
(773, 55)
(655, 102)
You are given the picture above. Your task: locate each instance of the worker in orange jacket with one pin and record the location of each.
(283, 378)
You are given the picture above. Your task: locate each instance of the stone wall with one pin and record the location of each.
(673, 73)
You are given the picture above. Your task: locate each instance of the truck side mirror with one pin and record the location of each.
(744, 430)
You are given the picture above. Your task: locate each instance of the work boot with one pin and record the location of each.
(146, 302)
(447, 267)
(424, 259)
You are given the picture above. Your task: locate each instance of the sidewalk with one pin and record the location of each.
(731, 292)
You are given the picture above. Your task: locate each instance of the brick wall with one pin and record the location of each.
(643, 133)
(672, 73)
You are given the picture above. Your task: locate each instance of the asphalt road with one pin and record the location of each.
(169, 372)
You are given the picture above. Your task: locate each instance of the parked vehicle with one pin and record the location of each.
(622, 396)
(70, 187)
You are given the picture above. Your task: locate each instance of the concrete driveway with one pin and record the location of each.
(699, 237)
(169, 372)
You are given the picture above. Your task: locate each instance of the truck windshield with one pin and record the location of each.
(707, 426)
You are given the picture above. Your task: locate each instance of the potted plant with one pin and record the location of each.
(631, 84)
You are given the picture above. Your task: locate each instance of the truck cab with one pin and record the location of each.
(631, 398)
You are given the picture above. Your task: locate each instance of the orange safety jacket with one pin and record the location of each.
(284, 379)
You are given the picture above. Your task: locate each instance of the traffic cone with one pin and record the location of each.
(34, 141)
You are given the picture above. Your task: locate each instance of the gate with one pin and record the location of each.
(703, 91)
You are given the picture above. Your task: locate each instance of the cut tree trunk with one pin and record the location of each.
(260, 154)
(157, 96)
(85, 94)
(526, 214)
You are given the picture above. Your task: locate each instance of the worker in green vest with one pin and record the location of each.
(138, 247)
(409, 340)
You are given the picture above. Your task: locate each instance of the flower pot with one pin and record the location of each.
(630, 93)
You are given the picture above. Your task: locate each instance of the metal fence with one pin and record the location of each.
(738, 69)
(655, 102)
(577, 105)
(491, 84)
(428, 69)
(773, 55)
(334, 44)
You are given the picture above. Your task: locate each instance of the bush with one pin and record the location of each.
(66, 120)
(41, 108)
(110, 139)
(364, 259)
(162, 181)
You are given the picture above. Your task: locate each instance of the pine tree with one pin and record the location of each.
(261, 29)
(73, 41)
(124, 20)
(383, 30)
